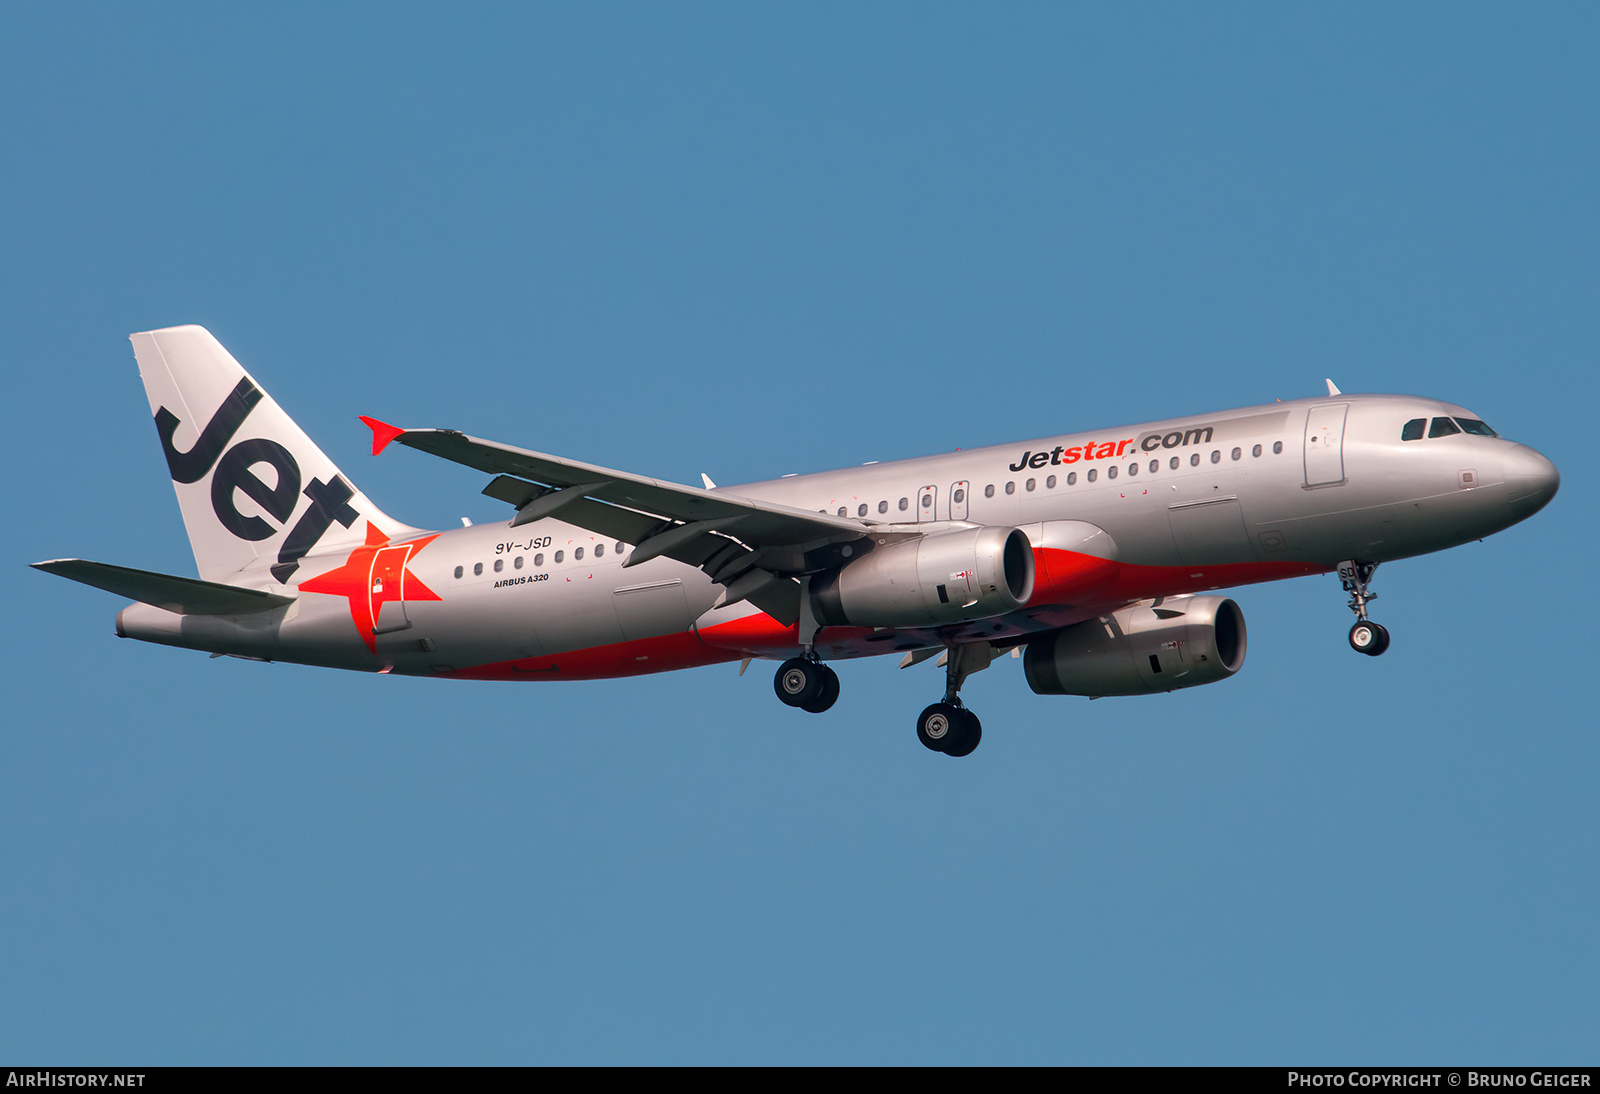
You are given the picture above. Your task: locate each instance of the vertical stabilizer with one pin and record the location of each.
(257, 494)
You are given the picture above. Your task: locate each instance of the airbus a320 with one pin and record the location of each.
(1094, 556)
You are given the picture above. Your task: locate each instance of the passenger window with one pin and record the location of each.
(459, 571)
(1090, 477)
(1011, 488)
(1050, 482)
(1256, 451)
(1174, 463)
(1443, 427)
(1194, 460)
(577, 556)
(988, 491)
(883, 507)
(560, 555)
(1133, 469)
(1237, 453)
(538, 559)
(599, 550)
(1155, 465)
(927, 501)
(1028, 486)
(861, 510)
(843, 512)
(1277, 448)
(959, 496)
(618, 547)
(1216, 456)
(1412, 430)
(516, 563)
(904, 504)
(477, 569)
(1111, 472)
(1072, 478)
(499, 564)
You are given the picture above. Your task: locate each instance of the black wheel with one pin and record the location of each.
(799, 681)
(971, 734)
(938, 726)
(1369, 638)
(829, 694)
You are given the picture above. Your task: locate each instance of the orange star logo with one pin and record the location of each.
(375, 574)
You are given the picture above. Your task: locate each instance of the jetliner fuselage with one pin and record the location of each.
(1114, 515)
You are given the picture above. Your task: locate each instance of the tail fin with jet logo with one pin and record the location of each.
(257, 494)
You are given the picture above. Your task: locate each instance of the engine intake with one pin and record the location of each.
(1161, 645)
(950, 577)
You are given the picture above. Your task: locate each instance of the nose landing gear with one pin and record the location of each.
(1366, 636)
(1369, 638)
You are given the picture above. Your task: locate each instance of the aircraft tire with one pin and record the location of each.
(971, 735)
(939, 726)
(829, 694)
(799, 681)
(1369, 638)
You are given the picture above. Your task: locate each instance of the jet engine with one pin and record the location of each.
(1159, 645)
(949, 577)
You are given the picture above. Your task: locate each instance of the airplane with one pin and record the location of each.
(1094, 556)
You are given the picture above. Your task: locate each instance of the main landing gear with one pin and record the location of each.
(806, 683)
(947, 726)
(1366, 636)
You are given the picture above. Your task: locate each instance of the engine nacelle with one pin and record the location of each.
(950, 577)
(1162, 645)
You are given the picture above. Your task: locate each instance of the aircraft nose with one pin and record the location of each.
(1531, 480)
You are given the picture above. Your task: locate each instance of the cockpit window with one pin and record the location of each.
(1443, 427)
(1475, 427)
(1414, 429)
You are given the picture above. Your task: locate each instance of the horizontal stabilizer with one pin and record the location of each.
(183, 595)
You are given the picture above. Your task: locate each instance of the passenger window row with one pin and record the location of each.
(863, 509)
(1071, 478)
(1154, 466)
(538, 559)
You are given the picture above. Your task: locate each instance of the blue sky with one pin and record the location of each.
(757, 239)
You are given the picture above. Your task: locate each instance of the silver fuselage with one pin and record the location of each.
(1176, 506)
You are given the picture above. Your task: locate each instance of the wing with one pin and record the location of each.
(754, 548)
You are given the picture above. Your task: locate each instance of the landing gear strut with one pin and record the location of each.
(806, 683)
(1366, 636)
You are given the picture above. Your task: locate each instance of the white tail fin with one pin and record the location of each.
(257, 495)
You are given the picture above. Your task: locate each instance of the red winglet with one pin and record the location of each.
(382, 433)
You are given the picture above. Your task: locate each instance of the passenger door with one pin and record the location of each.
(1324, 446)
(958, 500)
